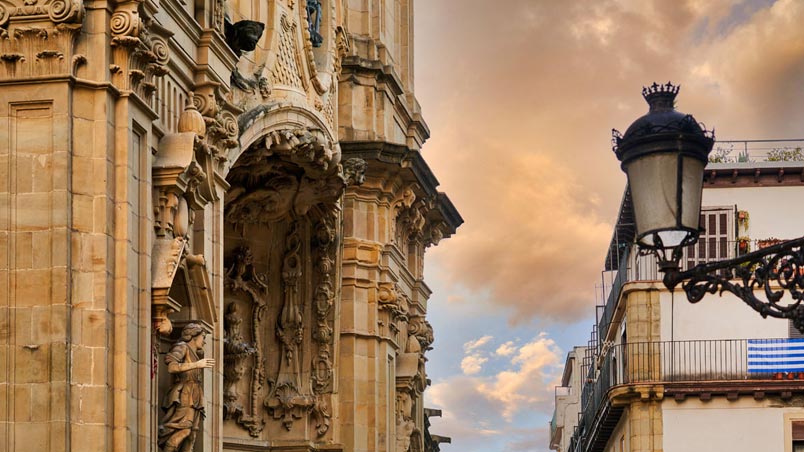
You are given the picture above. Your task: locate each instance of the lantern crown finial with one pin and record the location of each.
(661, 97)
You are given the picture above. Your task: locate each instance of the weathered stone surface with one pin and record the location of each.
(133, 180)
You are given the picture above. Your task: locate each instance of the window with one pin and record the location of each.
(717, 240)
(798, 436)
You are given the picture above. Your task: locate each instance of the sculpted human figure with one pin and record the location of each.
(184, 402)
(314, 22)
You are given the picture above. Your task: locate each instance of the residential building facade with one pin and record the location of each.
(213, 218)
(663, 374)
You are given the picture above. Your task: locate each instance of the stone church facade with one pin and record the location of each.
(213, 218)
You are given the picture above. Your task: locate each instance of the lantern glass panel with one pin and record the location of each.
(653, 180)
(654, 183)
(692, 188)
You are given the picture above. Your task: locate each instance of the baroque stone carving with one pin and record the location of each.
(266, 184)
(33, 51)
(325, 244)
(405, 425)
(57, 11)
(235, 351)
(287, 400)
(140, 50)
(184, 402)
(286, 70)
(241, 277)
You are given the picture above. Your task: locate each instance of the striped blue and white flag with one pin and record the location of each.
(775, 355)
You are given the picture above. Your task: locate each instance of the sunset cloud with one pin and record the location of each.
(477, 343)
(525, 382)
(506, 349)
(521, 112)
(521, 97)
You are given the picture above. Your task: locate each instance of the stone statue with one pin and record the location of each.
(314, 22)
(184, 402)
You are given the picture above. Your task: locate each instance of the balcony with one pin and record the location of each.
(680, 369)
(632, 267)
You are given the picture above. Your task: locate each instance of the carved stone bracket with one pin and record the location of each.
(241, 277)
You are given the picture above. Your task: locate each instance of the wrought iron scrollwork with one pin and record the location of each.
(776, 270)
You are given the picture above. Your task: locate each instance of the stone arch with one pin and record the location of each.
(258, 123)
(281, 229)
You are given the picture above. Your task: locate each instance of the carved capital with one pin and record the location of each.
(39, 51)
(140, 50)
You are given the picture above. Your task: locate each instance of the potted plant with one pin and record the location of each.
(743, 245)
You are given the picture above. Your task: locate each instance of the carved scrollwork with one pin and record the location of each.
(125, 22)
(64, 11)
(139, 50)
(242, 278)
(325, 244)
(287, 401)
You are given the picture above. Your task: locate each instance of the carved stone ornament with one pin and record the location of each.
(293, 171)
(38, 37)
(326, 247)
(184, 402)
(242, 278)
(235, 352)
(288, 400)
(55, 11)
(140, 50)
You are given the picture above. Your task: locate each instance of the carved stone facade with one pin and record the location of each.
(247, 171)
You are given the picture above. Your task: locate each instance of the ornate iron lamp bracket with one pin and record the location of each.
(775, 270)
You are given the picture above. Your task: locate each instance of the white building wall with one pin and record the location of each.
(773, 211)
(744, 425)
(714, 317)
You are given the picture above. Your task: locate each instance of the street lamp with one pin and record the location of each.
(664, 154)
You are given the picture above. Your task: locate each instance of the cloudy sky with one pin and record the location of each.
(521, 97)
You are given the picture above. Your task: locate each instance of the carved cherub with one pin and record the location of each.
(184, 402)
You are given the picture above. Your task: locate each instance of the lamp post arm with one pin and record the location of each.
(775, 270)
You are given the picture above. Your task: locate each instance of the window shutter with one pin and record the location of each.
(717, 240)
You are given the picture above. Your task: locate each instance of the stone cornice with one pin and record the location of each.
(385, 75)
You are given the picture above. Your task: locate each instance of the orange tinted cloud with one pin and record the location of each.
(521, 97)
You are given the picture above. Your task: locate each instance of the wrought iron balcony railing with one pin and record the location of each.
(727, 360)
